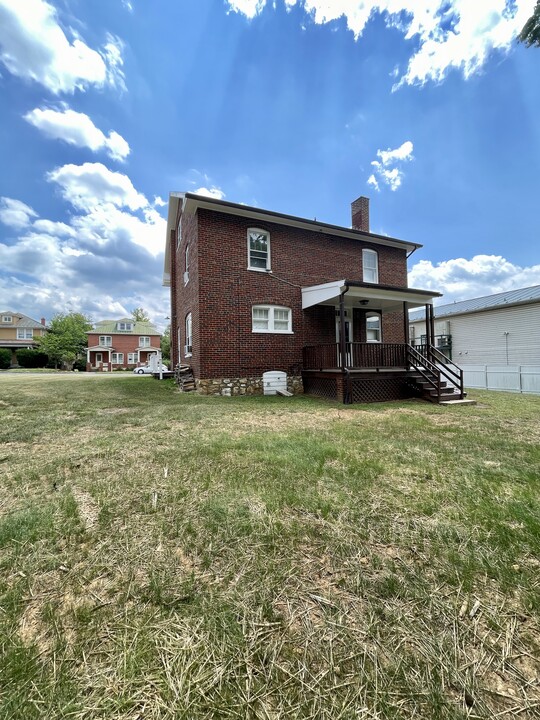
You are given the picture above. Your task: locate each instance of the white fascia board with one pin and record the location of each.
(318, 294)
(412, 299)
(174, 199)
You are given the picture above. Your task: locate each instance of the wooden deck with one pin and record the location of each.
(379, 372)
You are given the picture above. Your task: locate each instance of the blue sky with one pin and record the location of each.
(428, 107)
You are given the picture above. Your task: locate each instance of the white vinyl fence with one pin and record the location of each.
(513, 378)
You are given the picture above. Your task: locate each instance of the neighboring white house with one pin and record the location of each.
(497, 337)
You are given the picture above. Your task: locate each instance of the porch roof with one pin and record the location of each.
(379, 297)
(101, 348)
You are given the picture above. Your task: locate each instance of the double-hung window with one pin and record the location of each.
(370, 266)
(186, 265)
(271, 319)
(117, 358)
(24, 333)
(258, 249)
(188, 347)
(132, 358)
(7, 318)
(373, 327)
(105, 340)
(144, 341)
(125, 326)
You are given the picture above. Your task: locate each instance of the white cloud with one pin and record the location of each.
(77, 129)
(386, 170)
(212, 192)
(249, 8)
(15, 213)
(34, 46)
(53, 228)
(447, 34)
(92, 184)
(462, 279)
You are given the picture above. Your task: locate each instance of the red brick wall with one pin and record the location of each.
(187, 296)
(223, 342)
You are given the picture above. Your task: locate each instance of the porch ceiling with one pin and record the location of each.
(368, 297)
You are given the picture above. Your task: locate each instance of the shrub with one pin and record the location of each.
(27, 358)
(5, 358)
(80, 365)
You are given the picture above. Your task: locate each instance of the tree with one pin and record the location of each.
(139, 314)
(66, 340)
(166, 344)
(530, 35)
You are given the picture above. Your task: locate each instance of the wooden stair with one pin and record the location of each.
(183, 376)
(434, 377)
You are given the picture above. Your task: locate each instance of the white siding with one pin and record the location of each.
(479, 339)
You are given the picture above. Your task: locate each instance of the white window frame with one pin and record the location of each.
(119, 358)
(188, 324)
(7, 318)
(145, 341)
(271, 328)
(186, 264)
(377, 339)
(25, 333)
(132, 359)
(370, 269)
(267, 266)
(105, 340)
(124, 326)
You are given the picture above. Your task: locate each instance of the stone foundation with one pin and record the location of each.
(244, 386)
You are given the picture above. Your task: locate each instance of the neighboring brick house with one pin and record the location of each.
(121, 344)
(19, 331)
(254, 291)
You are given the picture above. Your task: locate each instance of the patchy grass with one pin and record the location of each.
(174, 556)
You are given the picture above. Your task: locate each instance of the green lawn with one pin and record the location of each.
(176, 556)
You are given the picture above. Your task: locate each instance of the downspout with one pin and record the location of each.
(347, 399)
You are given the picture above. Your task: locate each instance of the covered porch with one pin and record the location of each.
(360, 366)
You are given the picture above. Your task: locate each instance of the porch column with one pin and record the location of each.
(406, 323)
(342, 348)
(428, 325)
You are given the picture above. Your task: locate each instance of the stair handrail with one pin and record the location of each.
(446, 370)
(422, 365)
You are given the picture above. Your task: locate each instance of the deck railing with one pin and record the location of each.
(357, 355)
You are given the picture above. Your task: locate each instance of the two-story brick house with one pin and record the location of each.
(121, 344)
(19, 331)
(254, 290)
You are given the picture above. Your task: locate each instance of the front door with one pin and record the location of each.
(348, 336)
(99, 359)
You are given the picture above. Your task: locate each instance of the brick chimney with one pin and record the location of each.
(43, 321)
(360, 214)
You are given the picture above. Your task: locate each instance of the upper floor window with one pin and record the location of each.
(186, 265)
(7, 318)
(25, 333)
(124, 326)
(370, 265)
(271, 319)
(188, 347)
(258, 249)
(144, 341)
(105, 340)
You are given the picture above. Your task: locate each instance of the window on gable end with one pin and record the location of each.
(258, 249)
(186, 265)
(370, 266)
(188, 347)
